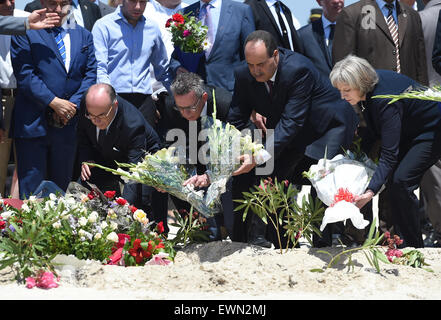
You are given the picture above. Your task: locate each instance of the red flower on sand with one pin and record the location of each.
(118, 248)
(109, 194)
(121, 201)
(138, 251)
(2, 224)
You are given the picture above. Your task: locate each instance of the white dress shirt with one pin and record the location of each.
(272, 7)
(77, 13)
(326, 28)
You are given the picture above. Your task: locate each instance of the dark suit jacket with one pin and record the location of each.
(12, 25)
(264, 20)
(89, 10)
(42, 76)
(303, 110)
(312, 38)
(128, 138)
(369, 38)
(398, 125)
(173, 119)
(235, 24)
(436, 55)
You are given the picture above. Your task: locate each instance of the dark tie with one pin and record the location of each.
(285, 37)
(331, 38)
(101, 137)
(270, 87)
(60, 43)
(205, 17)
(393, 29)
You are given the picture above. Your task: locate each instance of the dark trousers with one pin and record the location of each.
(144, 103)
(414, 162)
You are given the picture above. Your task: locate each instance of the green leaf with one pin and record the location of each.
(317, 270)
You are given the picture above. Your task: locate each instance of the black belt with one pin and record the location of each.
(9, 92)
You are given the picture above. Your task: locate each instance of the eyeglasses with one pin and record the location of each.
(99, 117)
(190, 108)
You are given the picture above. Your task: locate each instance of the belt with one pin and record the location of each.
(9, 92)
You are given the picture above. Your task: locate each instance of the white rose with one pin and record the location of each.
(53, 197)
(32, 198)
(112, 237)
(25, 208)
(97, 236)
(82, 221)
(113, 225)
(103, 225)
(93, 217)
(57, 225)
(81, 232)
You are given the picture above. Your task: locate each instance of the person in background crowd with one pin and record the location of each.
(229, 23)
(191, 100)
(111, 129)
(105, 9)
(53, 69)
(316, 14)
(85, 12)
(276, 18)
(410, 133)
(8, 85)
(38, 19)
(317, 37)
(115, 3)
(302, 108)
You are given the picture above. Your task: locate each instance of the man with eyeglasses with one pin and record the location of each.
(53, 67)
(111, 129)
(191, 100)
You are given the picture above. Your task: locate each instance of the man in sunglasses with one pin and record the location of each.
(111, 129)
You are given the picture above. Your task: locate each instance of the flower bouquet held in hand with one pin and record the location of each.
(189, 37)
(163, 170)
(337, 182)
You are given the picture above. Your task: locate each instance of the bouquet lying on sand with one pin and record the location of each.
(163, 170)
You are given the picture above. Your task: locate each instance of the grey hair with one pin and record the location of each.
(355, 72)
(186, 82)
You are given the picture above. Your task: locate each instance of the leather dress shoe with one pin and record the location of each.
(261, 242)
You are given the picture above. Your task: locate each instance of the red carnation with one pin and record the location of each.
(138, 252)
(121, 201)
(167, 24)
(160, 227)
(91, 195)
(133, 208)
(109, 194)
(2, 224)
(178, 18)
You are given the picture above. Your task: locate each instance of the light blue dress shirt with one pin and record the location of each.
(326, 27)
(215, 13)
(385, 11)
(124, 53)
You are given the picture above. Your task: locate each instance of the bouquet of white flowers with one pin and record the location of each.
(337, 181)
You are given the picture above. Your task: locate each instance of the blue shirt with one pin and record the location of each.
(124, 53)
(385, 11)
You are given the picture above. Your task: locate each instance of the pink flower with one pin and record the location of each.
(30, 282)
(115, 258)
(186, 33)
(43, 280)
(160, 259)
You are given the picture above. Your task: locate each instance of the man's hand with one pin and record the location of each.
(199, 181)
(259, 121)
(64, 109)
(85, 171)
(360, 201)
(41, 19)
(248, 163)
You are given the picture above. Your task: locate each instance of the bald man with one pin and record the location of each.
(111, 129)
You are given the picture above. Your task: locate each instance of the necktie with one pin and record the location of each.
(101, 137)
(393, 29)
(205, 16)
(331, 38)
(270, 87)
(60, 43)
(285, 37)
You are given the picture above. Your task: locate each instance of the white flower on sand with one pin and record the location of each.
(25, 208)
(7, 214)
(113, 225)
(93, 217)
(112, 237)
(53, 197)
(82, 221)
(32, 198)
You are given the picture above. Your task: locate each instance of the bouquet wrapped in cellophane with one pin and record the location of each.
(337, 181)
(225, 144)
(162, 170)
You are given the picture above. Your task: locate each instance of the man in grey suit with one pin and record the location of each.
(430, 186)
(38, 19)
(104, 8)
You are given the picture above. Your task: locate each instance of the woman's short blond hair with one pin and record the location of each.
(355, 72)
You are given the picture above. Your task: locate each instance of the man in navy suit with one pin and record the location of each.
(53, 67)
(317, 37)
(300, 105)
(231, 23)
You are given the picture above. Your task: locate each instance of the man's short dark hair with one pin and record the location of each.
(186, 82)
(264, 36)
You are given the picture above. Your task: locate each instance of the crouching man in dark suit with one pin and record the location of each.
(191, 100)
(302, 108)
(111, 129)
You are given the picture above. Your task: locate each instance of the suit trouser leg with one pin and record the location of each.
(430, 188)
(5, 147)
(404, 181)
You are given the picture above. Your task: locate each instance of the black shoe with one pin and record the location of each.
(261, 242)
(433, 240)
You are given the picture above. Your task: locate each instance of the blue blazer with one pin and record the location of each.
(41, 76)
(313, 46)
(236, 22)
(306, 112)
(399, 124)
